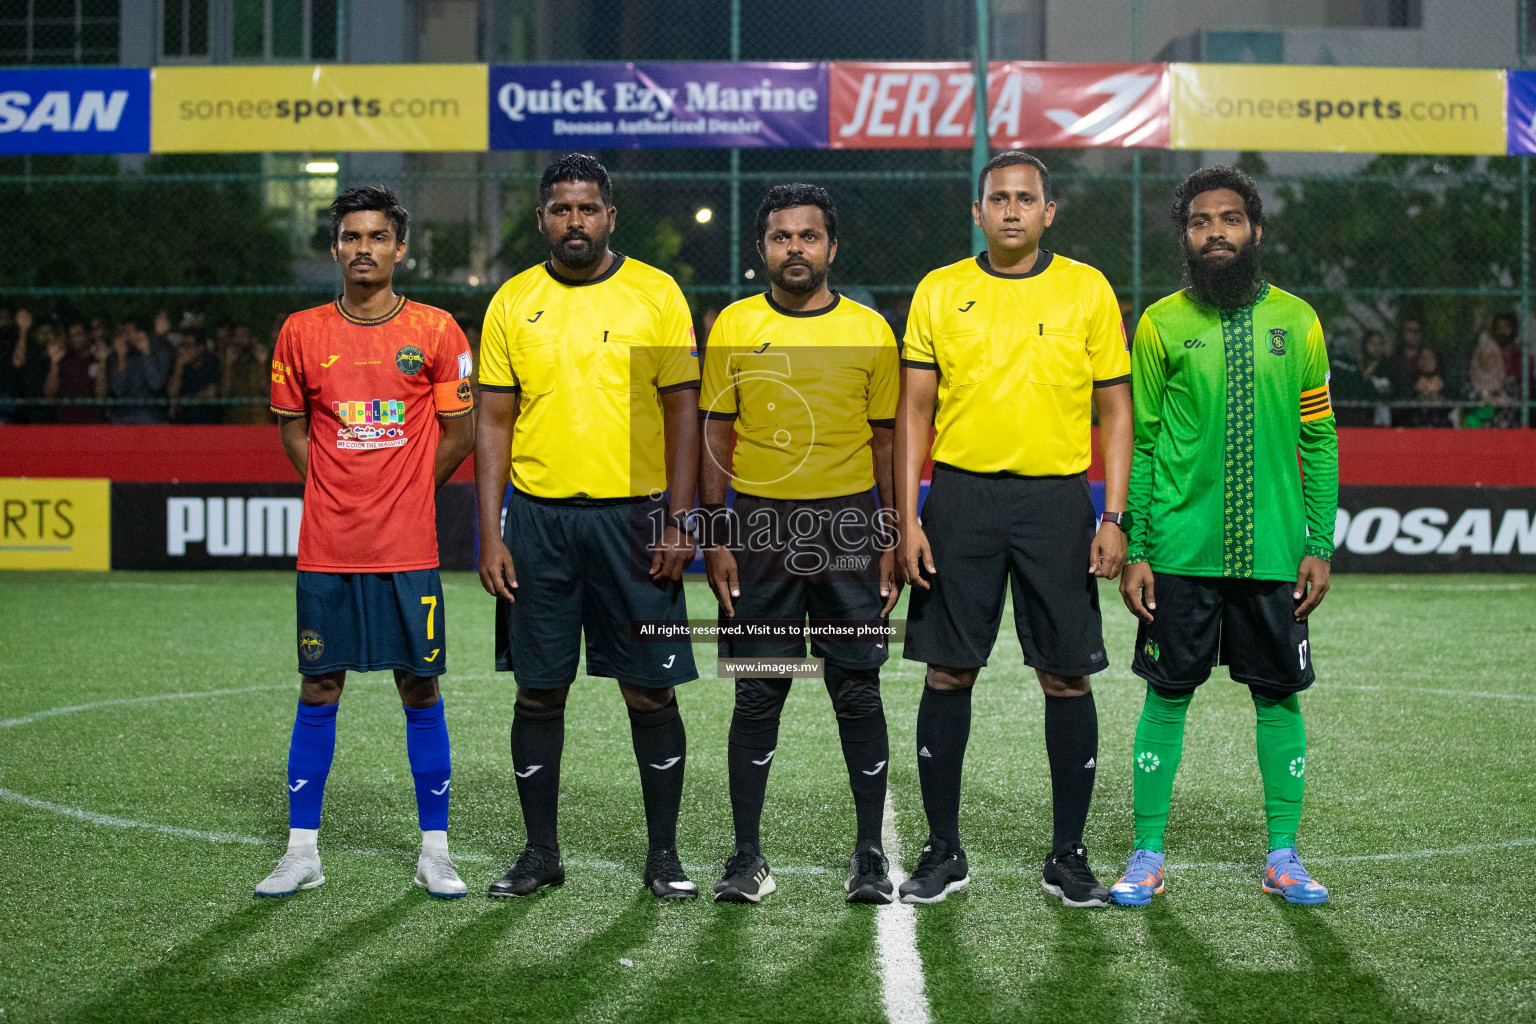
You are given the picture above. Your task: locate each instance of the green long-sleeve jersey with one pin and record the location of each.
(1224, 400)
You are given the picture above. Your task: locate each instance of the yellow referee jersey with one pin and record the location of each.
(1018, 357)
(803, 388)
(589, 362)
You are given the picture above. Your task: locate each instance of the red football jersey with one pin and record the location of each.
(373, 390)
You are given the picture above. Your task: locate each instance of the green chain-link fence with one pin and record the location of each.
(225, 246)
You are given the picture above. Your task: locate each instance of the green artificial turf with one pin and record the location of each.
(135, 831)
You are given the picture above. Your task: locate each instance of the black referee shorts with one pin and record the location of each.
(816, 560)
(1032, 534)
(1202, 621)
(582, 568)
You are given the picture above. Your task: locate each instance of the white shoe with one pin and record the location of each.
(436, 873)
(299, 868)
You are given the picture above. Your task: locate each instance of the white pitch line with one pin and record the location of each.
(112, 821)
(1357, 858)
(49, 713)
(233, 839)
(150, 585)
(902, 985)
(1357, 584)
(901, 966)
(1432, 691)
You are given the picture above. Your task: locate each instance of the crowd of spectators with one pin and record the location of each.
(61, 371)
(57, 370)
(1413, 383)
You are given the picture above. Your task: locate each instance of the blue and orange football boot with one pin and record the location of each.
(1285, 875)
(1142, 880)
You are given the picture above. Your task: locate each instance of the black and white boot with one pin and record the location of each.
(1068, 877)
(535, 869)
(940, 871)
(665, 877)
(746, 879)
(869, 877)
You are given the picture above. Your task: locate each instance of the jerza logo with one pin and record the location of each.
(1115, 117)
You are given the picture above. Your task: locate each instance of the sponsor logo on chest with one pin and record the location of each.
(377, 423)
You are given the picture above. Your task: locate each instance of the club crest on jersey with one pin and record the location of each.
(409, 360)
(1277, 341)
(311, 644)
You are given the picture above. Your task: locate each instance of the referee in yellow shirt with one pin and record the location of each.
(806, 380)
(1004, 355)
(589, 384)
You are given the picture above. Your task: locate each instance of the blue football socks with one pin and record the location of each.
(426, 743)
(309, 762)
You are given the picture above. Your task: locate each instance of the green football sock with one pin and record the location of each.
(1282, 743)
(1159, 746)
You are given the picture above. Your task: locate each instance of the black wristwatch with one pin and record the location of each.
(1118, 518)
(684, 521)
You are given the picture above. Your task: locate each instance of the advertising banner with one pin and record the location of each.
(82, 110)
(931, 105)
(327, 107)
(1521, 111)
(1335, 109)
(246, 525)
(54, 523)
(1435, 529)
(658, 106)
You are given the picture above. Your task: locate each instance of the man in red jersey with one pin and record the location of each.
(377, 413)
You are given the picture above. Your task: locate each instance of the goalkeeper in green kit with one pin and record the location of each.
(1228, 543)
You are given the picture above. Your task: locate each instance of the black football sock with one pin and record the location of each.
(750, 756)
(943, 729)
(661, 749)
(1072, 745)
(538, 738)
(867, 752)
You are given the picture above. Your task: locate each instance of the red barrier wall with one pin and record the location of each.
(186, 454)
(1501, 458)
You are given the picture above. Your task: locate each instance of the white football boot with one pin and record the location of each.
(298, 869)
(436, 873)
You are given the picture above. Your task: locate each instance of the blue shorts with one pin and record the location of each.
(371, 621)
